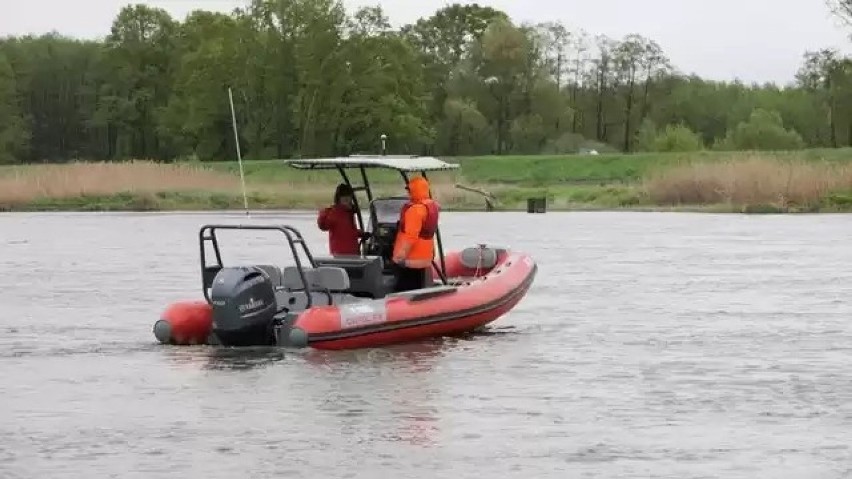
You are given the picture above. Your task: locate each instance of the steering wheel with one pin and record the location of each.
(365, 241)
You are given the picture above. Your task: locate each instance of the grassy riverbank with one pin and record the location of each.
(810, 180)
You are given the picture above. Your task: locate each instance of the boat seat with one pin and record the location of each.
(482, 258)
(324, 277)
(324, 282)
(274, 273)
(365, 273)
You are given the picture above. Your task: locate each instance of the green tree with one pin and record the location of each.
(384, 91)
(646, 135)
(444, 40)
(141, 57)
(197, 118)
(309, 79)
(764, 130)
(677, 138)
(13, 130)
(465, 131)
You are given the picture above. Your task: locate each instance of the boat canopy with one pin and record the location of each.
(401, 163)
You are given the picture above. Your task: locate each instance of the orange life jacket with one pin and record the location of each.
(430, 225)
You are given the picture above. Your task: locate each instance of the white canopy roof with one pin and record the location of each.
(393, 162)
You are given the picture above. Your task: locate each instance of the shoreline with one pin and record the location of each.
(809, 181)
(129, 203)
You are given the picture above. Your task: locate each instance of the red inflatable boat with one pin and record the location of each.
(346, 302)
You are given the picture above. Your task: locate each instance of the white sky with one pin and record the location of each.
(753, 40)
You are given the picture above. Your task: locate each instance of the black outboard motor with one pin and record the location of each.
(243, 307)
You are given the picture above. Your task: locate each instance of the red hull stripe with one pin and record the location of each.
(427, 320)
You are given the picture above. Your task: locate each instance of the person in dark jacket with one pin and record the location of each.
(339, 221)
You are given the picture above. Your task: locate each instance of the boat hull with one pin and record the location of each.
(476, 297)
(439, 311)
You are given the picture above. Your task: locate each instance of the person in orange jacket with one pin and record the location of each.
(339, 221)
(414, 246)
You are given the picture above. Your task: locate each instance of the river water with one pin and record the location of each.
(650, 345)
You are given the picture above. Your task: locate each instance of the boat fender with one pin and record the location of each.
(163, 331)
(297, 338)
(184, 322)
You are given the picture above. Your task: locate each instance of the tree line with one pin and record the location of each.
(309, 79)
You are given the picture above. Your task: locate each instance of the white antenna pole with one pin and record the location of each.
(239, 154)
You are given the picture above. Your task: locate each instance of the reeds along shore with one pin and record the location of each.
(739, 182)
(751, 181)
(24, 184)
(150, 185)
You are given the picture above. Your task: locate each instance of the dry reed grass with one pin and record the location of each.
(755, 180)
(23, 185)
(29, 183)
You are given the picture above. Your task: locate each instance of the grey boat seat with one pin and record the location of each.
(322, 277)
(326, 284)
(274, 273)
(365, 274)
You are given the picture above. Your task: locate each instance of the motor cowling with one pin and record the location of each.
(243, 300)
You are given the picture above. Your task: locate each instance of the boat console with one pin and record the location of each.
(384, 223)
(373, 275)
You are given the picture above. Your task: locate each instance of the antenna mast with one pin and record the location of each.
(239, 154)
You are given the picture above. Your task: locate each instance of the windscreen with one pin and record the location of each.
(387, 209)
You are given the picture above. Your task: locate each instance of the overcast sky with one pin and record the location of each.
(754, 40)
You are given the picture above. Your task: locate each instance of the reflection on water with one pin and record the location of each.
(408, 370)
(651, 345)
(242, 358)
(404, 369)
(412, 357)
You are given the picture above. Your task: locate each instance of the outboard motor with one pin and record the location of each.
(243, 307)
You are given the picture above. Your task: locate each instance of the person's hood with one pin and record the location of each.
(418, 188)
